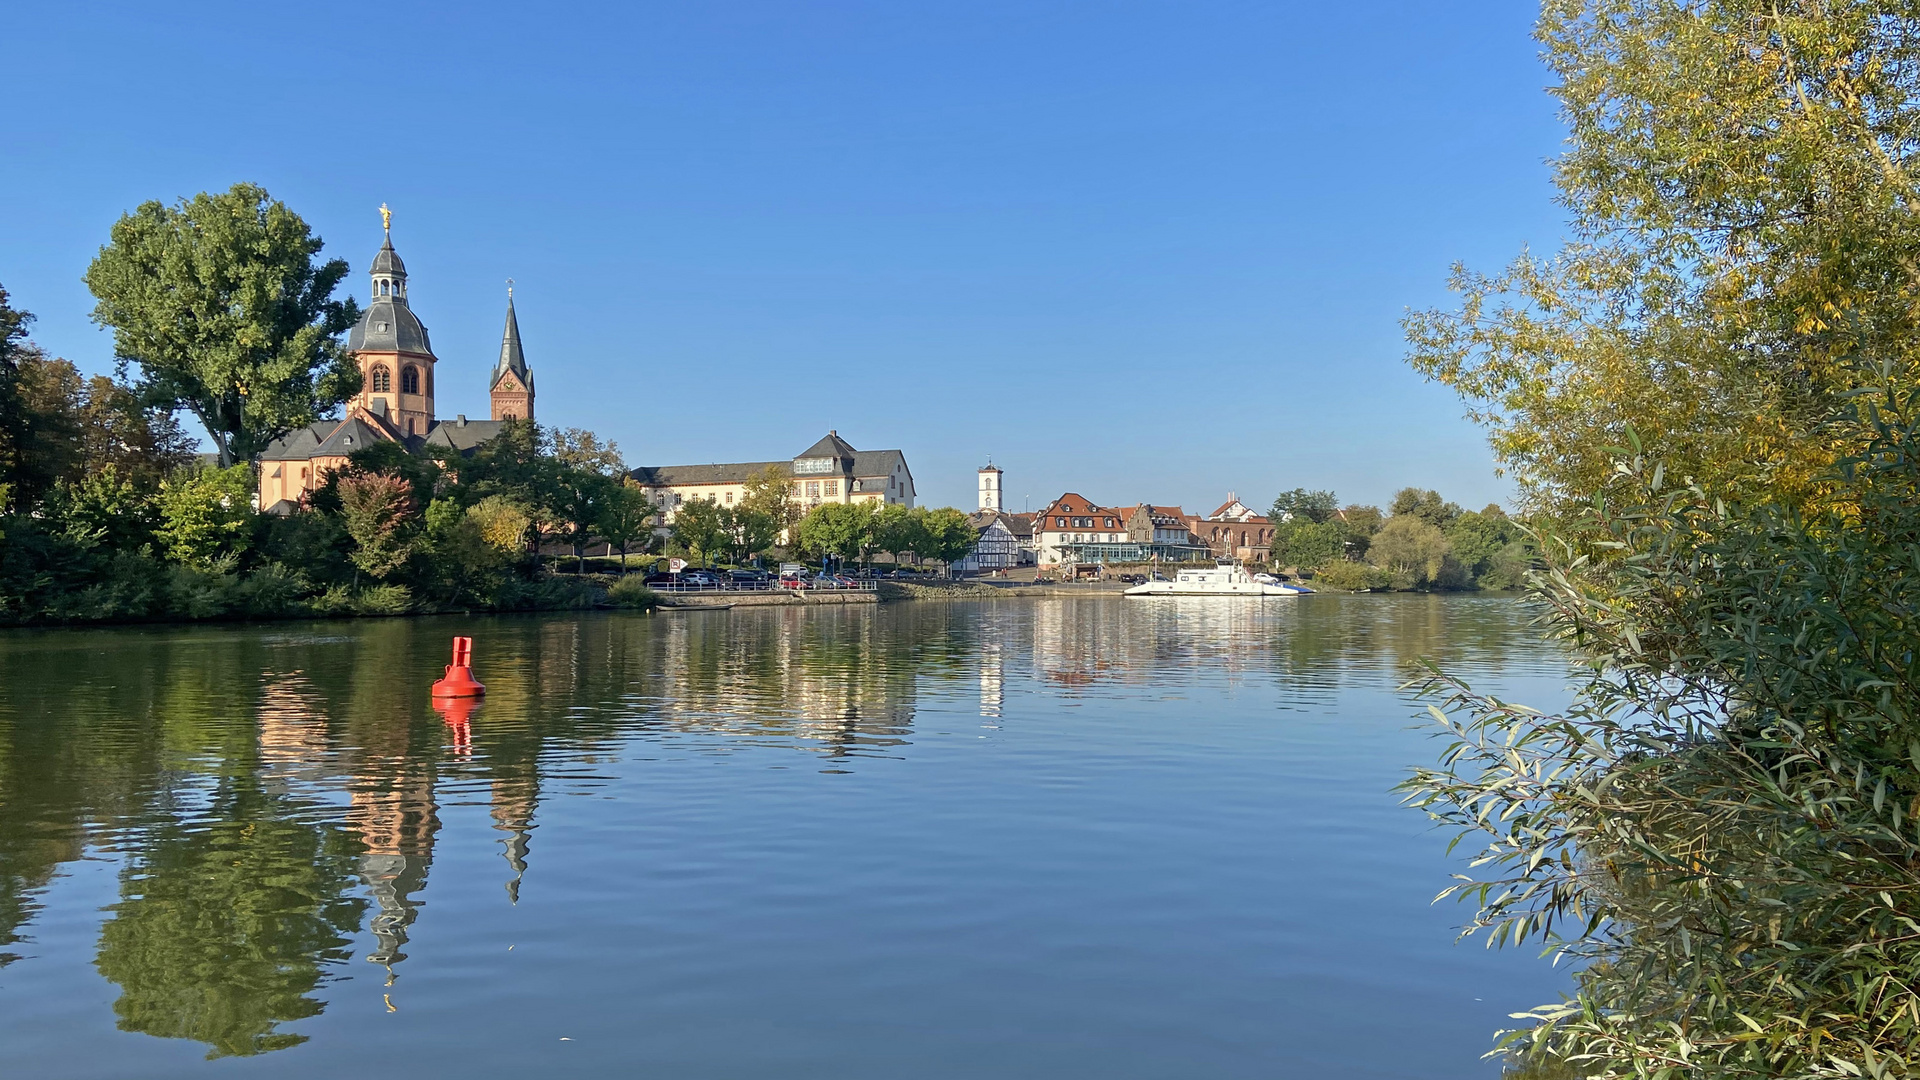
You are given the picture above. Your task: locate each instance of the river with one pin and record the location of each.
(1053, 838)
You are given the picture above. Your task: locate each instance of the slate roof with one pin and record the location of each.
(389, 325)
(512, 357)
(831, 445)
(879, 463)
(869, 468)
(464, 437)
(679, 475)
(984, 519)
(355, 434)
(388, 261)
(299, 444)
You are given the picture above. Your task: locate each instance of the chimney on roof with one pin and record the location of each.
(460, 418)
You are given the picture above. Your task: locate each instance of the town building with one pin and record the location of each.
(1006, 541)
(1073, 530)
(829, 471)
(1064, 529)
(396, 398)
(1235, 530)
(996, 549)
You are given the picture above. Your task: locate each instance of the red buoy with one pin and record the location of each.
(459, 681)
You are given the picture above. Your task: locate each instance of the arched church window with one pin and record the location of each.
(382, 379)
(409, 380)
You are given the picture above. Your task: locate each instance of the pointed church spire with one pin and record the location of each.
(512, 358)
(512, 383)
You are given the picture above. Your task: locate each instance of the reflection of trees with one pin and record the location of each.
(227, 923)
(260, 781)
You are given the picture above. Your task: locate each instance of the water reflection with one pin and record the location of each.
(274, 797)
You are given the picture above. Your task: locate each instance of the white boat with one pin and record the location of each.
(1229, 578)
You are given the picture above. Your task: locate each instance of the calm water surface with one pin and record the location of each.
(1050, 838)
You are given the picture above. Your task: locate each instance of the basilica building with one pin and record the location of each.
(395, 402)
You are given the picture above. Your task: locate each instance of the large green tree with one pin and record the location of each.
(946, 534)
(840, 529)
(219, 302)
(13, 413)
(1745, 229)
(701, 526)
(626, 515)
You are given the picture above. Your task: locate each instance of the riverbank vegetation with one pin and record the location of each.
(1421, 542)
(1709, 400)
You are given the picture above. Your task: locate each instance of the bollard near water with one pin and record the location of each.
(459, 681)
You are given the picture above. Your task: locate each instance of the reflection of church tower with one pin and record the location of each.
(397, 827)
(512, 384)
(993, 680)
(512, 811)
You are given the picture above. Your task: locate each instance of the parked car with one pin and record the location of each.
(1266, 579)
(750, 579)
(660, 578)
(705, 579)
(1042, 580)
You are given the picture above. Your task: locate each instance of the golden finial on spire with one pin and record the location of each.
(386, 218)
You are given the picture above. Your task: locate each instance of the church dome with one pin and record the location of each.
(388, 325)
(388, 261)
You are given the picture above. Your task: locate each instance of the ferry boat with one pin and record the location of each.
(1228, 578)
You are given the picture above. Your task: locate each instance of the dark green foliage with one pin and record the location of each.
(1313, 506)
(1428, 543)
(1308, 544)
(701, 525)
(1724, 828)
(106, 549)
(1426, 505)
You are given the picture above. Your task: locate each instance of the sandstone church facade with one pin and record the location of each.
(395, 402)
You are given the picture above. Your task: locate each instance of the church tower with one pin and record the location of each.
(512, 385)
(990, 488)
(390, 343)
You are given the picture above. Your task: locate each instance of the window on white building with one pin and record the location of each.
(813, 489)
(833, 487)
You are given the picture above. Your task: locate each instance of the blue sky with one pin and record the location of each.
(1141, 251)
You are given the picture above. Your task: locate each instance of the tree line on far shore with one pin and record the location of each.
(1421, 541)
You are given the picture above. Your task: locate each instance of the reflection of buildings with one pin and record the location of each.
(993, 679)
(816, 675)
(392, 806)
(397, 821)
